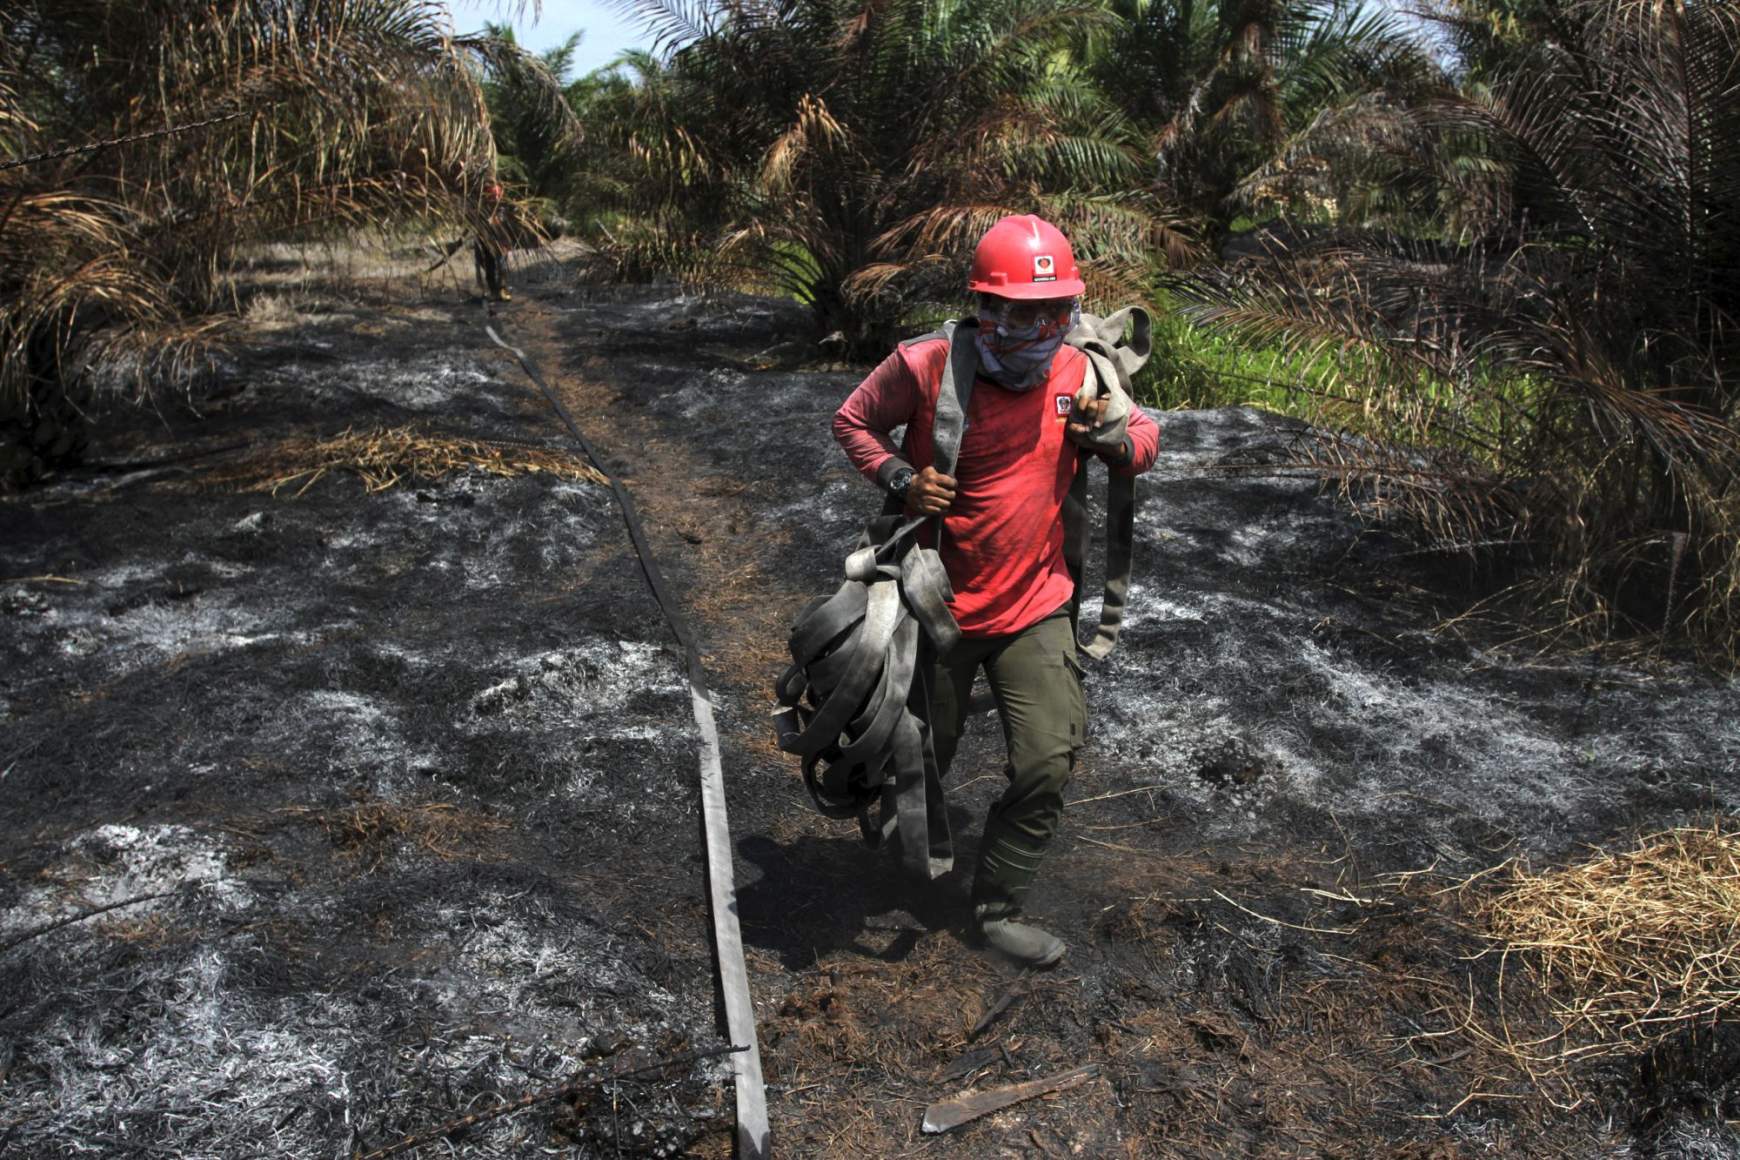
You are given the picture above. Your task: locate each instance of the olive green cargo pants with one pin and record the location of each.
(1036, 680)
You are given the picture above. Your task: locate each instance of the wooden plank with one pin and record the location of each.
(752, 1131)
(969, 1106)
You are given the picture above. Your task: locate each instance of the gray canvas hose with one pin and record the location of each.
(854, 705)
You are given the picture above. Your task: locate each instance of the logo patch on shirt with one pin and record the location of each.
(1044, 268)
(1064, 403)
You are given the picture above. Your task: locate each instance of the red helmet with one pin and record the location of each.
(1025, 257)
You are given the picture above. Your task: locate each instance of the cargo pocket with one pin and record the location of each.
(1078, 701)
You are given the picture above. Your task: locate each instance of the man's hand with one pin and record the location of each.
(930, 493)
(1082, 421)
(1083, 418)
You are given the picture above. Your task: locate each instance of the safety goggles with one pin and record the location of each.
(1019, 314)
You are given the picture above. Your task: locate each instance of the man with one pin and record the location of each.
(1002, 539)
(486, 251)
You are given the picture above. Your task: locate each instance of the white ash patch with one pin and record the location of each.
(223, 569)
(1356, 738)
(205, 623)
(84, 621)
(461, 526)
(202, 1073)
(589, 781)
(706, 316)
(1204, 755)
(365, 735)
(1250, 544)
(1520, 762)
(411, 658)
(364, 715)
(1239, 540)
(1688, 1137)
(576, 684)
(1146, 607)
(546, 980)
(120, 575)
(345, 541)
(585, 783)
(589, 497)
(597, 717)
(1361, 691)
(841, 496)
(427, 384)
(1142, 605)
(433, 382)
(667, 310)
(514, 956)
(704, 392)
(114, 863)
(791, 400)
(482, 574)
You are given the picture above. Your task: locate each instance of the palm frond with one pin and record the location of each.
(1572, 365)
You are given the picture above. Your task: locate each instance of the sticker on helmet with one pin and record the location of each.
(1044, 268)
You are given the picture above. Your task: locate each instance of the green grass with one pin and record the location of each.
(1193, 368)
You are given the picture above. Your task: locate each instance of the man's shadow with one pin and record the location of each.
(816, 895)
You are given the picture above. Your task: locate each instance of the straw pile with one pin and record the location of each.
(1636, 946)
(383, 457)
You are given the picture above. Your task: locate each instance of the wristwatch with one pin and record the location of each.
(899, 482)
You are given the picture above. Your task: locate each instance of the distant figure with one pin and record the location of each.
(487, 253)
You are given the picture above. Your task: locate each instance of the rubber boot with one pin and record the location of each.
(1006, 868)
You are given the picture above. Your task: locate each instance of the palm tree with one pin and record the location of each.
(141, 144)
(536, 150)
(1563, 379)
(1224, 85)
(849, 151)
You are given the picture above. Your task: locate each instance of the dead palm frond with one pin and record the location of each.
(383, 457)
(178, 131)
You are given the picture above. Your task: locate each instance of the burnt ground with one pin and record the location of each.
(397, 791)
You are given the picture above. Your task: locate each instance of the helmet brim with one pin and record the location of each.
(1030, 291)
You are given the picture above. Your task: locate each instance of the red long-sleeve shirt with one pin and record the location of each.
(1004, 544)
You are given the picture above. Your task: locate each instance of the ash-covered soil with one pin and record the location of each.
(398, 793)
(402, 783)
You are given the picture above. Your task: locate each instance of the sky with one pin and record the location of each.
(606, 31)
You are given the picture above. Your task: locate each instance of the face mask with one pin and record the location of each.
(1019, 358)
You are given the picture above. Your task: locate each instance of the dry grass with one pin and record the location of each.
(371, 829)
(1631, 947)
(385, 456)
